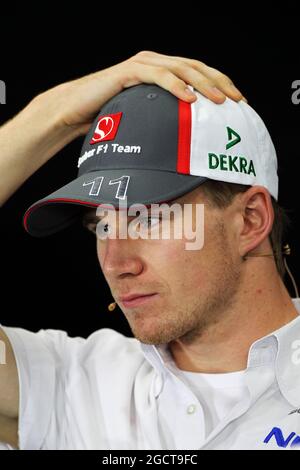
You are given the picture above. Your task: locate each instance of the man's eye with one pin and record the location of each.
(103, 230)
(149, 222)
(104, 227)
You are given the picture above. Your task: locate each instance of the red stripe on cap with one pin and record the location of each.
(60, 199)
(184, 137)
(68, 200)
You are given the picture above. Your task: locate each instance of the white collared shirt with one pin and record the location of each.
(112, 392)
(217, 393)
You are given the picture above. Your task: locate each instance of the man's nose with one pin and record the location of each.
(120, 257)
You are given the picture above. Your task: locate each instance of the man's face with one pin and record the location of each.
(193, 287)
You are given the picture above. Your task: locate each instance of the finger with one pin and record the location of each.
(215, 78)
(198, 80)
(161, 76)
(182, 66)
(223, 82)
(186, 75)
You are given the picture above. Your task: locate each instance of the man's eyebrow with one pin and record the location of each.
(90, 216)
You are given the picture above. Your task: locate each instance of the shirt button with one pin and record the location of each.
(191, 409)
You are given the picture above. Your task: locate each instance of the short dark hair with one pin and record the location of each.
(221, 195)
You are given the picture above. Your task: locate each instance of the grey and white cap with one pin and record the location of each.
(147, 146)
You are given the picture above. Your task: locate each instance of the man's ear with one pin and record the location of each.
(258, 217)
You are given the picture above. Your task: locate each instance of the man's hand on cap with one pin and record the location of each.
(175, 73)
(79, 100)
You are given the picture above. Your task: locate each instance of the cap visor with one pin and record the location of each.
(61, 208)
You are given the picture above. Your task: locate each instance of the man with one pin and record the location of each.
(208, 367)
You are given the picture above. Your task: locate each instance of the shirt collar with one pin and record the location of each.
(288, 362)
(280, 349)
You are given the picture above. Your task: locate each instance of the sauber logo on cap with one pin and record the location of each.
(107, 127)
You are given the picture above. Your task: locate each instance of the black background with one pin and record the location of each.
(56, 282)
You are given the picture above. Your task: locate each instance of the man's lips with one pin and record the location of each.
(134, 300)
(134, 296)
